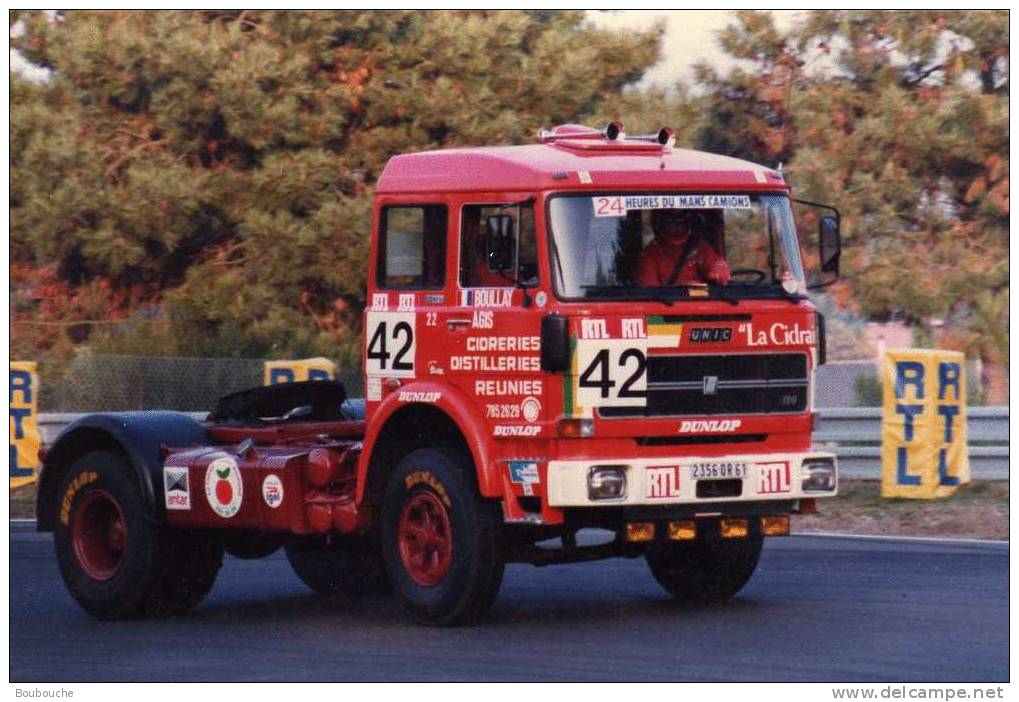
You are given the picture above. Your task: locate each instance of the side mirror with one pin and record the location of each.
(555, 343)
(830, 244)
(499, 242)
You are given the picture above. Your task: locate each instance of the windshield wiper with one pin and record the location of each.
(720, 293)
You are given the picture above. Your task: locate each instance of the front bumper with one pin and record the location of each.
(672, 481)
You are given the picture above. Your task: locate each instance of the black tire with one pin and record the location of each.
(190, 562)
(705, 570)
(155, 570)
(350, 565)
(467, 587)
(250, 545)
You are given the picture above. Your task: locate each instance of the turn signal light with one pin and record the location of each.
(808, 506)
(575, 428)
(682, 531)
(777, 525)
(734, 528)
(640, 531)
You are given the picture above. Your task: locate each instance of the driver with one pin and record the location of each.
(684, 250)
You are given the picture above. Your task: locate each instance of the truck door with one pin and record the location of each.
(494, 335)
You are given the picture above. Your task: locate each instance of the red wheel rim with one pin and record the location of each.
(99, 535)
(426, 540)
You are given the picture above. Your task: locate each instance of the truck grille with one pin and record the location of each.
(736, 384)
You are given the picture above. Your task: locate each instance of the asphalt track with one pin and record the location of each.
(818, 608)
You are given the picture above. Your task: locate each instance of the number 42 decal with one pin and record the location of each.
(611, 374)
(391, 344)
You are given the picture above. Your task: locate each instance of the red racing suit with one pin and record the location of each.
(703, 264)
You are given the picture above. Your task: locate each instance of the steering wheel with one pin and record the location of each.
(758, 275)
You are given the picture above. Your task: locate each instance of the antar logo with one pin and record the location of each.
(176, 480)
(178, 490)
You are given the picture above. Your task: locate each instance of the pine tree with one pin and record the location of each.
(210, 173)
(901, 119)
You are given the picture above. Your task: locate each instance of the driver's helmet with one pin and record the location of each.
(673, 227)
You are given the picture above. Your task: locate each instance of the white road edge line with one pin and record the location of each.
(890, 537)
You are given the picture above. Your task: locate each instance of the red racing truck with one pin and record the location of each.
(524, 379)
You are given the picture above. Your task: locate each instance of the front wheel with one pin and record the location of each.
(705, 570)
(440, 538)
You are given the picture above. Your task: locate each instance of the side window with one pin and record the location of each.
(412, 247)
(497, 246)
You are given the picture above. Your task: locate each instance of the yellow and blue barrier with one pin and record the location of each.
(295, 371)
(23, 405)
(923, 425)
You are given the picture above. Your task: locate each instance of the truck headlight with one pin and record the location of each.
(818, 475)
(606, 483)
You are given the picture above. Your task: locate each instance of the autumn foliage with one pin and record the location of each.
(199, 183)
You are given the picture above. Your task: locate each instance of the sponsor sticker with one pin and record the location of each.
(709, 426)
(619, 205)
(524, 473)
(774, 477)
(483, 319)
(531, 408)
(412, 396)
(516, 431)
(486, 297)
(434, 299)
(500, 388)
(709, 335)
(633, 328)
(662, 481)
(177, 487)
(272, 491)
(373, 388)
(778, 334)
(223, 487)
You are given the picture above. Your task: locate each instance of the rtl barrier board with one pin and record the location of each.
(923, 425)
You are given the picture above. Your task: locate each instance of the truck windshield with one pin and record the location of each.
(665, 245)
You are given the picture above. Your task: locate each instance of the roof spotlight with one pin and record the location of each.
(667, 136)
(614, 131)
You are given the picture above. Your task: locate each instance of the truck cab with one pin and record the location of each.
(506, 299)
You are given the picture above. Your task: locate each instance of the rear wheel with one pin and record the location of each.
(705, 570)
(114, 558)
(351, 565)
(440, 538)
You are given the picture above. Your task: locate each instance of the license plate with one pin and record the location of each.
(718, 469)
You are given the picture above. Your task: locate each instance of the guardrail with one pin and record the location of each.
(860, 428)
(854, 433)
